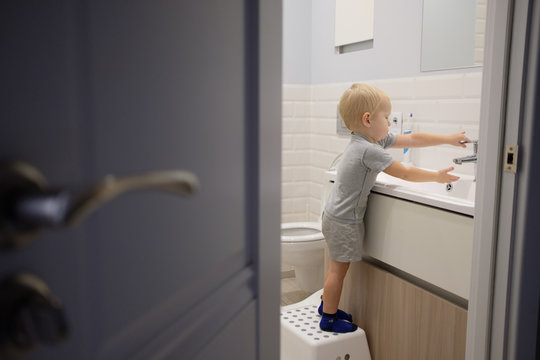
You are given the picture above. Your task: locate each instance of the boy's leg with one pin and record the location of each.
(333, 285)
(331, 295)
(332, 274)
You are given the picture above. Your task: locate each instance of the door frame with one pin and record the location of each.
(498, 287)
(265, 19)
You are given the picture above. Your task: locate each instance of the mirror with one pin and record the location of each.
(452, 34)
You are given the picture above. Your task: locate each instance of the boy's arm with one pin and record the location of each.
(425, 139)
(411, 173)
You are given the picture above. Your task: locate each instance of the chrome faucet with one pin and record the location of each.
(471, 158)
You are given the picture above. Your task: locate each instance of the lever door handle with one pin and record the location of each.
(28, 204)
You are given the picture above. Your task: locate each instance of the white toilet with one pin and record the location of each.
(302, 247)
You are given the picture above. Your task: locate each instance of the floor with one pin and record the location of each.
(290, 292)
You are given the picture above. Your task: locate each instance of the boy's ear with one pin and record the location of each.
(366, 119)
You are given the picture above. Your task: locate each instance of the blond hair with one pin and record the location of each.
(356, 101)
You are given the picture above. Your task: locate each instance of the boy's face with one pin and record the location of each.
(379, 120)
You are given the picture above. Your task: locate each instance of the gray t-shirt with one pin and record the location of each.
(357, 171)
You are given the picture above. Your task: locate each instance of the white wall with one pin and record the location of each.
(395, 51)
(308, 39)
(297, 41)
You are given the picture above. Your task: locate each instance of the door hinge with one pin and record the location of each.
(510, 158)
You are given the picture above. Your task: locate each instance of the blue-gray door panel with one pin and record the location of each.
(93, 88)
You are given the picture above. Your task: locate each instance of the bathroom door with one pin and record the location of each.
(150, 92)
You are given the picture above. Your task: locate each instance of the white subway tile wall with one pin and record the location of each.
(440, 104)
(480, 31)
(296, 153)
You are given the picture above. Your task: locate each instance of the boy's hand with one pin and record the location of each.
(444, 177)
(458, 139)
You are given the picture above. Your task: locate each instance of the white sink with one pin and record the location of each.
(457, 196)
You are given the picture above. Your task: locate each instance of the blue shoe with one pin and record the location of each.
(340, 314)
(332, 324)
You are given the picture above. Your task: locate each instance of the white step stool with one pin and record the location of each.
(301, 337)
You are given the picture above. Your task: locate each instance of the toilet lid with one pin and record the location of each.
(301, 232)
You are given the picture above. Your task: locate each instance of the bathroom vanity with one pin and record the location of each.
(410, 294)
(425, 231)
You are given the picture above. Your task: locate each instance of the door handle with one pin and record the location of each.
(28, 204)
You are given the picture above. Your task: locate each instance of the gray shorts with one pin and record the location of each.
(344, 240)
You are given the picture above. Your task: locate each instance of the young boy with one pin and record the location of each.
(365, 111)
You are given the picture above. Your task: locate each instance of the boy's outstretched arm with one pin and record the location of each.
(411, 173)
(426, 139)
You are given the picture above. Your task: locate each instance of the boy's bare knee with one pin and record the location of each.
(338, 268)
